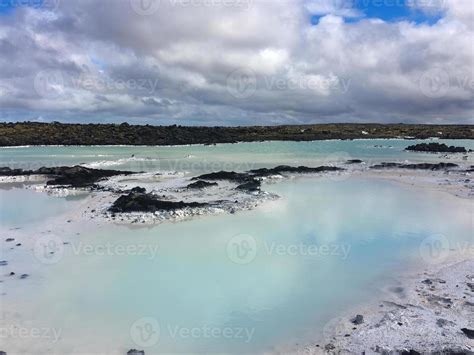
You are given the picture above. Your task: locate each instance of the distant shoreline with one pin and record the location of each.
(204, 144)
(60, 134)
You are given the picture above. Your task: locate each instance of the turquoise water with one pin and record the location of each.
(20, 207)
(243, 283)
(323, 247)
(199, 158)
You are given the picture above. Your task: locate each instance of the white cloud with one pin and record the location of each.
(175, 63)
(343, 8)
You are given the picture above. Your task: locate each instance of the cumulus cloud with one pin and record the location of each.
(334, 7)
(235, 62)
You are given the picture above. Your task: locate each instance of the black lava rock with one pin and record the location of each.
(223, 175)
(264, 172)
(135, 352)
(421, 166)
(142, 202)
(75, 176)
(251, 186)
(469, 332)
(281, 169)
(435, 148)
(358, 319)
(200, 184)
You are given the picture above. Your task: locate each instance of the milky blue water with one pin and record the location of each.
(199, 158)
(243, 283)
(21, 207)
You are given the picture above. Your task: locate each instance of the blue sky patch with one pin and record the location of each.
(8, 6)
(396, 10)
(387, 10)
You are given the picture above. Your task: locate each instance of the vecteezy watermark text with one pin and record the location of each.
(244, 83)
(50, 249)
(436, 248)
(316, 250)
(21, 332)
(307, 83)
(52, 84)
(208, 332)
(109, 249)
(94, 83)
(243, 249)
(147, 331)
(436, 83)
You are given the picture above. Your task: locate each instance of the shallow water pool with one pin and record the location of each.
(244, 283)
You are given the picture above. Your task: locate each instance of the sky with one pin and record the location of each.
(237, 62)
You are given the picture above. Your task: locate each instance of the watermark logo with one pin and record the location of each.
(435, 83)
(242, 249)
(145, 7)
(434, 249)
(242, 83)
(145, 332)
(49, 249)
(49, 84)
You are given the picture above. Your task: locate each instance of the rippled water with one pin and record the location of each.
(247, 282)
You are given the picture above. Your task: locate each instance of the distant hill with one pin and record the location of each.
(32, 133)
